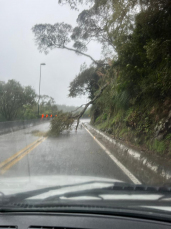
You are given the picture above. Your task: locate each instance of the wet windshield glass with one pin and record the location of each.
(85, 101)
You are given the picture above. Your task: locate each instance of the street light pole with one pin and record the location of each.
(39, 87)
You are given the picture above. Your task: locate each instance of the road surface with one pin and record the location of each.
(74, 153)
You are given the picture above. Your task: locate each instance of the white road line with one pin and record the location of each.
(119, 164)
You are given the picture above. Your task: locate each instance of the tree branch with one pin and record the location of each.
(84, 54)
(78, 108)
(87, 104)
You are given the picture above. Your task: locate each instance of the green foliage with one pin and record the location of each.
(168, 137)
(139, 94)
(30, 112)
(123, 131)
(159, 146)
(50, 36)
(84, 83)
(14, 98)
(62, 122)
(104, 116)
(47, 105)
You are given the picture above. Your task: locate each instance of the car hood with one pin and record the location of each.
(10, 186)
(129, 199)
(15, 185)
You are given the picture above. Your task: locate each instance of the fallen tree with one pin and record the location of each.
(65, 120)
(77, 117)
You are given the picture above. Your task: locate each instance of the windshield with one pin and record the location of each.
(85, 103)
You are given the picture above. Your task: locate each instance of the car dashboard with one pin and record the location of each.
(76, 220)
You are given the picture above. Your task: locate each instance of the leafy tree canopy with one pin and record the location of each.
(84, 83)
(14, 97)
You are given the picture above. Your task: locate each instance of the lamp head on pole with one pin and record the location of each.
(42, 64)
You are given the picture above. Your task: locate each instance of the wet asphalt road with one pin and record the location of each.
(74, 153)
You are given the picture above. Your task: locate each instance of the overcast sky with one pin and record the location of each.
(20, 58)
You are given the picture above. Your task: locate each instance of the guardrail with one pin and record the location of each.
(11, 126)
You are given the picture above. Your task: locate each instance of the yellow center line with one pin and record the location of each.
(7, 164)
(18, 153)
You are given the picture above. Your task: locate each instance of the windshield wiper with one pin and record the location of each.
(117, 189)
(25, 195)
(113, 188)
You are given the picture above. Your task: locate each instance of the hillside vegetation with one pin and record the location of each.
(136, 104)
